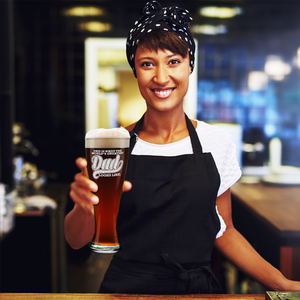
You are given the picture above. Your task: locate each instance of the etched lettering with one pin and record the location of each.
(102, 166)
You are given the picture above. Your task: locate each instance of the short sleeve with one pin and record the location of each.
(220, 144)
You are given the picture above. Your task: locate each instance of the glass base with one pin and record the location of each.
(103, 248)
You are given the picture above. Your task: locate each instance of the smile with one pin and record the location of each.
(163, 93)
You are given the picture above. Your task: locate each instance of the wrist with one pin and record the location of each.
(292, 286)
(286, 285)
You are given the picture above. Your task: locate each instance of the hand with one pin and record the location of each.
(82, 187)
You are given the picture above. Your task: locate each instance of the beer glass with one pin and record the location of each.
(107, 153)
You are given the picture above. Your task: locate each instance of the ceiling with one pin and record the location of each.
(256, 15)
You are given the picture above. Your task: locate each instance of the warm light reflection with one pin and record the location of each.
(257, 81)
(106, 79)
(209, 29)
(276, 68)
(220, 12)
(82, 11)
(19, 208)
(94, 26)
(108, 56)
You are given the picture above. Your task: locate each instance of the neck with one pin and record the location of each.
(163, 127)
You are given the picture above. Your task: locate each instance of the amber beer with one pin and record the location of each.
(107, 156)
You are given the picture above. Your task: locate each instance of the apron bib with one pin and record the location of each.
(167, 224)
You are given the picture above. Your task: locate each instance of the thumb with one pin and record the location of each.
(82, 165)
(127, 186)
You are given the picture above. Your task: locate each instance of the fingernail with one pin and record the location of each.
(93, 187)
(95, 199)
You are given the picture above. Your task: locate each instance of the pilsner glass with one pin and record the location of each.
(107, 153)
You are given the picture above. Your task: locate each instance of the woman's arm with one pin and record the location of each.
(79, 223)
(237, 250)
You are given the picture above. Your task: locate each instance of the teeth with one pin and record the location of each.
(163, 93)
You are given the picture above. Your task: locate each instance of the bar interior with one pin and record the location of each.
(64, 72)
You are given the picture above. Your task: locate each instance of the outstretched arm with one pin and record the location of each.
(239, 251)
(80, 222)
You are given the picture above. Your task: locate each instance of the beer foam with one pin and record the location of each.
(120, 132)
(107, 138)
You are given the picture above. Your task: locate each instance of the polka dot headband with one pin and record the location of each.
(173, 19)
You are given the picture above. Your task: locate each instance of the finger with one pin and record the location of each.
(82, 165)
(81, 195)
(86, 206)
(85, 182)
(127, 186)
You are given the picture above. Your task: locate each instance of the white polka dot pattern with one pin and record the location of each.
(173, 19)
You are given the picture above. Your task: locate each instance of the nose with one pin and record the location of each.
(161, 75)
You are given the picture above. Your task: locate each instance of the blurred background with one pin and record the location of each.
(248, 70)
(64, 71)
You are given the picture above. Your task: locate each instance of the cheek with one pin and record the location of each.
(184, 80)
(184, 76)
(142, 86)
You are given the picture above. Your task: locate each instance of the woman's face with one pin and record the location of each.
(163, 78)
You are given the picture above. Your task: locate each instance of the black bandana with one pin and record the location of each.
(155, 17)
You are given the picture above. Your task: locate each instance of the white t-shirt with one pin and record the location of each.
(213, 139)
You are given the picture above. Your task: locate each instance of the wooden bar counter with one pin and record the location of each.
(275, 211)
(9, 296)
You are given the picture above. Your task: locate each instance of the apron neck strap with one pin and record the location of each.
(197, 148)
(134, 133)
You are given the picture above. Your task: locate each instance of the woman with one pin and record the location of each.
(177, 204)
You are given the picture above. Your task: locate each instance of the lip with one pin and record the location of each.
(163, 93)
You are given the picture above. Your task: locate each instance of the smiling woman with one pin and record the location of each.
(176, 204)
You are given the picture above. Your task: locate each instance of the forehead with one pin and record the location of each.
(145, 52)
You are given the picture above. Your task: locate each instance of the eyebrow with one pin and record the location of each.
(145, 58)
(151, 58)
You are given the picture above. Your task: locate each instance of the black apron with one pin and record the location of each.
(167, 224)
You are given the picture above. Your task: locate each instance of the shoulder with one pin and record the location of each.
(195, 123)
(212, 136)
(130, 127)
(220, 143)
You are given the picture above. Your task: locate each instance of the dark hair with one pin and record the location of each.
(164, 40)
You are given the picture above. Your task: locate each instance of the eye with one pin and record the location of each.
(146, 64)
(174, 61)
